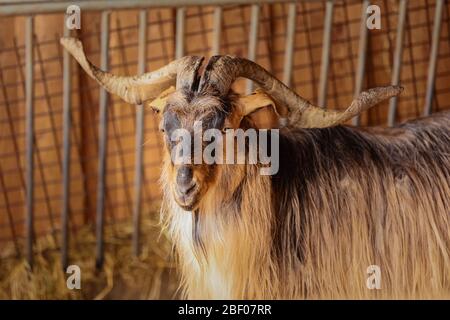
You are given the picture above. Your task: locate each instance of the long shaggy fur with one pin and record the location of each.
(344, 198)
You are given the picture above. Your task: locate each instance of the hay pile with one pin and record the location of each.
(151, 276)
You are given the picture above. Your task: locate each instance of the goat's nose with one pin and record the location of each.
(184, 179)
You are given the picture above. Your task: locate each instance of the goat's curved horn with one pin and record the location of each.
(137, 89)
(315, 117)
(222, 71)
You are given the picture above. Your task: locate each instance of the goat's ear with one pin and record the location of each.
(259, 109)
(158, 104)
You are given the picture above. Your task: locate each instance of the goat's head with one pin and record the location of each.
(183, 97)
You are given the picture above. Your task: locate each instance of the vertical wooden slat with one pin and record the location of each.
(362, 54)
(102, 145)
(142, 57)
(326, 44)
(290, 43)
(217, 30)
(397, 59)
(179, 36)
(66, 154)
(253, 40)
(433, 57)
(29, 156)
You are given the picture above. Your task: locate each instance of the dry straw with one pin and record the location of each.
(149, 276)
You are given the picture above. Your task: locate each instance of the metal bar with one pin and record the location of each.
(413, 77)
(38, 7)
(433, 57)
(217, 27)
(117, 136)
(29, 157)
(67, 105)
(179, 37)
(325, 65)
(361, 69)
(309, 48)
(103, 138)
(139, 136)
(8, 103)
(77, 147)
(290, 43)
(397, 59)
(253, 40)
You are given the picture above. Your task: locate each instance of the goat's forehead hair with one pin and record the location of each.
(199, 98)
(186, 101)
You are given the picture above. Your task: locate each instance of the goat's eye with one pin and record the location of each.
(169, 122)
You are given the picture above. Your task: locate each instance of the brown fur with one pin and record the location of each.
(356, 197)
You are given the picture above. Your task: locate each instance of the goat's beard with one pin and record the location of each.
(205, 239)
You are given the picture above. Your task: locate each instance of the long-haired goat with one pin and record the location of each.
(344, 198)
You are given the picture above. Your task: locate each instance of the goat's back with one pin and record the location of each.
(346, 198)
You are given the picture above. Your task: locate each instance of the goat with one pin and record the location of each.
(344, 197)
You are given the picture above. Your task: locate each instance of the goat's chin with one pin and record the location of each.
(189, 208)
(187, 203)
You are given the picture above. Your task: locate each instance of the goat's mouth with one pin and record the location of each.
(187, 199)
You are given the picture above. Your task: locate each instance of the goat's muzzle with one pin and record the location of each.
(186, 188)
